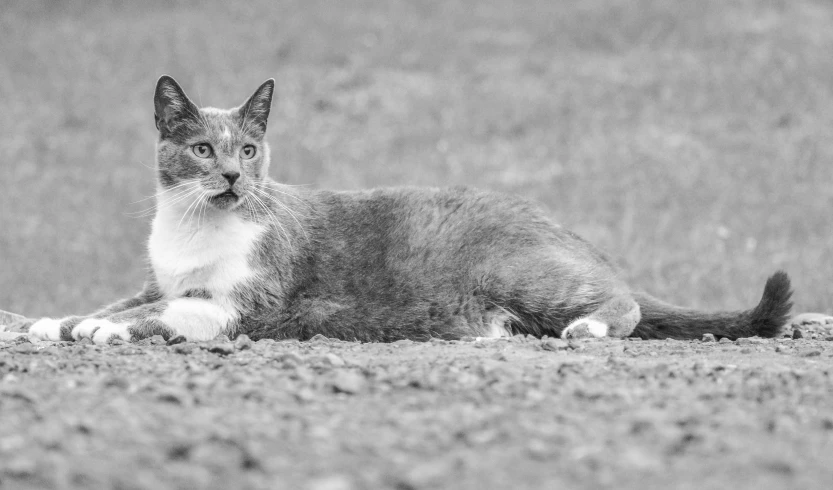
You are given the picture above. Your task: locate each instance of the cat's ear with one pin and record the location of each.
(255, 111)
(172, 106)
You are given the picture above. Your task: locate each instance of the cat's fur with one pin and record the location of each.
(232, 251)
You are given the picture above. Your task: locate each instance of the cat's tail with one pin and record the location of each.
(661, 320)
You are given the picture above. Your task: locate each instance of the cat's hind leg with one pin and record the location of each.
(616, 317)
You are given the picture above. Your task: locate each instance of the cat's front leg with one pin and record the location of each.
(61, 328)
(194, 318)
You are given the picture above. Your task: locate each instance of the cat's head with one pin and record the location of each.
(212, 153)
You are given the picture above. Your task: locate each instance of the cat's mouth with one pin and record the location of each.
(225, 199)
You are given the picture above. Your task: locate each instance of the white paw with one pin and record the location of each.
(584, 328)
(100, 330)
(46, 329)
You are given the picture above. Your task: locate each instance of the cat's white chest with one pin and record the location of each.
(213, 257)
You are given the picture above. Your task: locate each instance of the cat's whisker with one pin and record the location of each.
(274, 219)
(196, 212)
(285, 208)
(162, 203)
(179, 197)
(187, 211)
(165, 191)
(205, 209)
(279, 188)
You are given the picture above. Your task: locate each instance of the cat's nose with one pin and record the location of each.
(231, 177)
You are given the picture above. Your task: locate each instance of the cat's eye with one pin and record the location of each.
(202, 150)
(247, 152)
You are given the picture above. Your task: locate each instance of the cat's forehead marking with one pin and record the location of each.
(222, 126)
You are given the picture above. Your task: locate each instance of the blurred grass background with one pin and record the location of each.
(691, 140)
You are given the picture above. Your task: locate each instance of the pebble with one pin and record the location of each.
(25, 348)
(157, 340)
(332, 360)
(751, 341)
(349, 382)
(797, 333)
(725, 340)
(289, 359)
(243, 342)
(331, 482)
(222, 338)
(184, 348)
(554, 344)
(20, 467)
(176, 397)
(221, 348)
(177, 340)
(709, 337)
(319, 338)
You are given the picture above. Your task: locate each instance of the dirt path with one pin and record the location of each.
(328, 415)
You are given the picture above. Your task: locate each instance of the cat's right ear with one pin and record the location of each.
(172, 106)
(255, 112)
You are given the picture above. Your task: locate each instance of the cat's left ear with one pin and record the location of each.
(172, 106)
(255, 112)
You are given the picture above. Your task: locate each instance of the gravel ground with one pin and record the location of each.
(331, 415)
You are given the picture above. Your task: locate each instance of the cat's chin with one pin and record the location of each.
(226, 201)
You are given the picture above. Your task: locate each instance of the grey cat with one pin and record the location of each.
(231, 251)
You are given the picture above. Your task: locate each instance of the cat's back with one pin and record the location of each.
(453, 219)
(437, 209)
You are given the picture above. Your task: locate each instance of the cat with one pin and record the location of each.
(231, 251)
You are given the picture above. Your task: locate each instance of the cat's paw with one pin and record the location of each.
(584, 328)
(101, 330)
(46, 329)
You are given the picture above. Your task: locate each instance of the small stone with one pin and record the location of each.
(539, 450)
(709, 337)
(724, 340)
(243, 342)
(319, 338)
(25, 348)
(331, 482)
(184, 348)
(157, 340)
(289, 359)
(221, 348)
(751, 341)
(500, 356)
(177, 340)
(304, 395)
(829, 338)
(20, 467)
(554, 345)
(810, 353)
(333, 360)
(797, 333)
(85, 341)
(176, 397)
(349, 382)
(117, 341)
